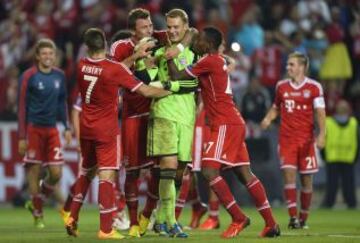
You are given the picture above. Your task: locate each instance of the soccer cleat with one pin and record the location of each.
(235, 228)
(294, 223)
(161, 229)
(210, 223)
(270, 232)
(177, 232)
(72, 227)
(135, 231)
(196, 217)
(113, 235)
(303, 224)
(39, 222)
(64, 215)
(143, 224)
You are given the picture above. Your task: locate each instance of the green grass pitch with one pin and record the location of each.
(325, 226)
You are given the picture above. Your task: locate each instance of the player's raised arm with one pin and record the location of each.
(176, 74)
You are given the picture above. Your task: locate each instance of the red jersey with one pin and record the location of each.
(296, 105)
(99, 82)
(133, 104)
(215, 90)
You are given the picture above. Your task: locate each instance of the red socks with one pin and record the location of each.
(305, 199)
(258, 194)
(219, 186)
(107, 206)
(290, 196)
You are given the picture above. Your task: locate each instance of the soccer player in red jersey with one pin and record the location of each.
(42, 99)
(226, 147)
(99, 80)
(135, 119)
(296, 101)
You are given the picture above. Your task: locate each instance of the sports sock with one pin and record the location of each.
(258, 194)
(166, 193)
(106, 199)
(69, 198)
(214, 209)
(305, 199)
(81, 188)
(183, 194)
(152, 193)
(221, 189)
(290, 196)
(131, 194)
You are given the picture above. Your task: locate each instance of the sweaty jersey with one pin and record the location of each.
(99, 82)
(133, 103)
(296, 105)
(175, 107)
(215, 90)
(42, 99)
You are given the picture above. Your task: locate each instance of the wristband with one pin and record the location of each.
(180, 47)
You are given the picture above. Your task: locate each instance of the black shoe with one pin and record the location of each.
(303, 225)
(294, 223)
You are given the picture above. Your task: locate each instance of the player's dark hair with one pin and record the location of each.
(301, 57)
(94, 39)
(135, 14)
(44, 43)
(214, 36)
(178, 13)
(121, 35)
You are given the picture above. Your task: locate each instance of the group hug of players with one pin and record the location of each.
(169, 78)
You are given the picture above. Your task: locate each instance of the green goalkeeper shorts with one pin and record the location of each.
(167, 137)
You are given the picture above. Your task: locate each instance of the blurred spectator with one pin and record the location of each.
(10, 111)
(239, 77)
(268, 64)
(250, 34)
(337, 64)
(255, 102)
(341, 152)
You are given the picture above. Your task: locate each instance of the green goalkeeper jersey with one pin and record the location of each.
(175, 107)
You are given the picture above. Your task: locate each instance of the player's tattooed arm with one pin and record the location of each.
(176, 74)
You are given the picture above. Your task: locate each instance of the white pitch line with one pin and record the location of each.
(345, 236)
(317, 234)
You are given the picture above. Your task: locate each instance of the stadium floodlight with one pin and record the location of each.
(235, 46)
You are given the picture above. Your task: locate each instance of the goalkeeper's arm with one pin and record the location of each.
(178, 87)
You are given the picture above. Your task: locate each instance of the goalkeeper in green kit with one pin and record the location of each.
(171, 124)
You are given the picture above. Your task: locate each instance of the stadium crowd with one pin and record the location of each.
(328, 31)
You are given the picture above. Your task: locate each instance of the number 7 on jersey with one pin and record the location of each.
(92, 80)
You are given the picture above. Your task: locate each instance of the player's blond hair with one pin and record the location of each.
(44, 43)
(301, 57)
(178, 13)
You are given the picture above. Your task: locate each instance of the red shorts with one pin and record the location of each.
(104, 155)
(298, 156)
(134, 143)
(201, 136)
(43, 146)
(226, 147)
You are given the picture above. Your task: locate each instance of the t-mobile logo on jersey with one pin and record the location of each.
(290, 105)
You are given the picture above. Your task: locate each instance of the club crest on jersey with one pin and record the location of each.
(57, 84)
(306, 93)
(41, 85)
(183, 61)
